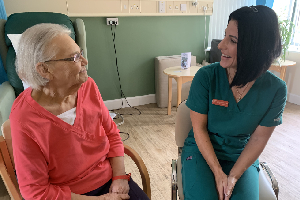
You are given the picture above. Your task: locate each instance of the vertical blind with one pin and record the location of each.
(296, 38)
(219, 18)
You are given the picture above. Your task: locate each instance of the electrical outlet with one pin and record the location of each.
(134, 7)
(170, 6)
(112, 21)
(161, 6)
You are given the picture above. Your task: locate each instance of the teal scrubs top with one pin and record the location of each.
(230, 127)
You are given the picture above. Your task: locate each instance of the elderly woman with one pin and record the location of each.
(235, 106)
(65, 144)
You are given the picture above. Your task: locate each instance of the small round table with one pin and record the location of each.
(181, 76)
(281, 67)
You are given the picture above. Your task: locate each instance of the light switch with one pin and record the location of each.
(161, 6)
(183, 7)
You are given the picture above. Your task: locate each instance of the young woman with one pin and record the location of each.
(235, 106)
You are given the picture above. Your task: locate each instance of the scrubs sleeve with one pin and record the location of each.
(273, 116)
(199, 93)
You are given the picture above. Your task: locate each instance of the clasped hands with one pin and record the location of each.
(225, 185)
(118, 190)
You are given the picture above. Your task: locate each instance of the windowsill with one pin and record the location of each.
(294, 49)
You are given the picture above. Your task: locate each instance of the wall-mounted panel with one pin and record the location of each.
(93, 7)
(110, 8)
(149, 6)
(17, 6)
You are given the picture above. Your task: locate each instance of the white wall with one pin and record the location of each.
(293, 78)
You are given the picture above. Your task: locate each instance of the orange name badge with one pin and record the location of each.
(220, 102)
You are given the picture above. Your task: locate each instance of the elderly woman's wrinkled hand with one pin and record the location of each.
(113, 196)
(119, 186)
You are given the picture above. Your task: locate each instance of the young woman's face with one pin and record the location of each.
(228, 46)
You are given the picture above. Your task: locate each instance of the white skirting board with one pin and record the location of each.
(292, 98)
(150, 98)
(133, 101)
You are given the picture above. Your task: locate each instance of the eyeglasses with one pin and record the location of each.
(75, 58)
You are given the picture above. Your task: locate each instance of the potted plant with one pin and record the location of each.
(286, 31)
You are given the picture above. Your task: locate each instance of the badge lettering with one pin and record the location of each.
(220, 102)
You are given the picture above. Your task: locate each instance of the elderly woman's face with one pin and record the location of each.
(67, 73)
(228, 46)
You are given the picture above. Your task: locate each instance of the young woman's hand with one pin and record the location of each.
(231, 181)
(119, 186)
(221, 183)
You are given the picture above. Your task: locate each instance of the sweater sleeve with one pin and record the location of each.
(32, 168)
(111, 130)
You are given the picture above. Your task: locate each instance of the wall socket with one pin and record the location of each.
(161, 6)
(112, 21)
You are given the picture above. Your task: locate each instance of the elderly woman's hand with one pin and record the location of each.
(119, 186)
(112, 196)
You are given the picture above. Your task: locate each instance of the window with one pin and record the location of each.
(218, 20)
(290, 9)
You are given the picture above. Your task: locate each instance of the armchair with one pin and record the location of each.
(16, 24)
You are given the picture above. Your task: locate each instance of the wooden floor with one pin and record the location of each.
(151, 134)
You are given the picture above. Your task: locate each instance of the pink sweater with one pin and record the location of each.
(53, 158)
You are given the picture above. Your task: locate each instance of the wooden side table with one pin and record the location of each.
(181, 76)
(281, 67)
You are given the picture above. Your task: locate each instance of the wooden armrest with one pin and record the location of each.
(142, 168)
(11, 188)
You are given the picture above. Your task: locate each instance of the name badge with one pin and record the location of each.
(220, 102)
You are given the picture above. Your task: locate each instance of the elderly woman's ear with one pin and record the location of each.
(44, 70)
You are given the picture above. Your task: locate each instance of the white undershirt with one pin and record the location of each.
(68, 116)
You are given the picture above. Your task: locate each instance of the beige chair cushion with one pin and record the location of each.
(7, 97)
(161, 80)
(183, 124)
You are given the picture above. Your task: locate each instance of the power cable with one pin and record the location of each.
(122, 93)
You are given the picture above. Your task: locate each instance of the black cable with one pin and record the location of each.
(126, 134)
(122, 93)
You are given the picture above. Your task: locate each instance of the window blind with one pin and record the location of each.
(219, 19)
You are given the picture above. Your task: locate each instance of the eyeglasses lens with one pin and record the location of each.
(77, 56)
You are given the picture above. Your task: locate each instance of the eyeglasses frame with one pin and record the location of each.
(69, 59)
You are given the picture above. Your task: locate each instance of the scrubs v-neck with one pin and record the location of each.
(230, 127)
